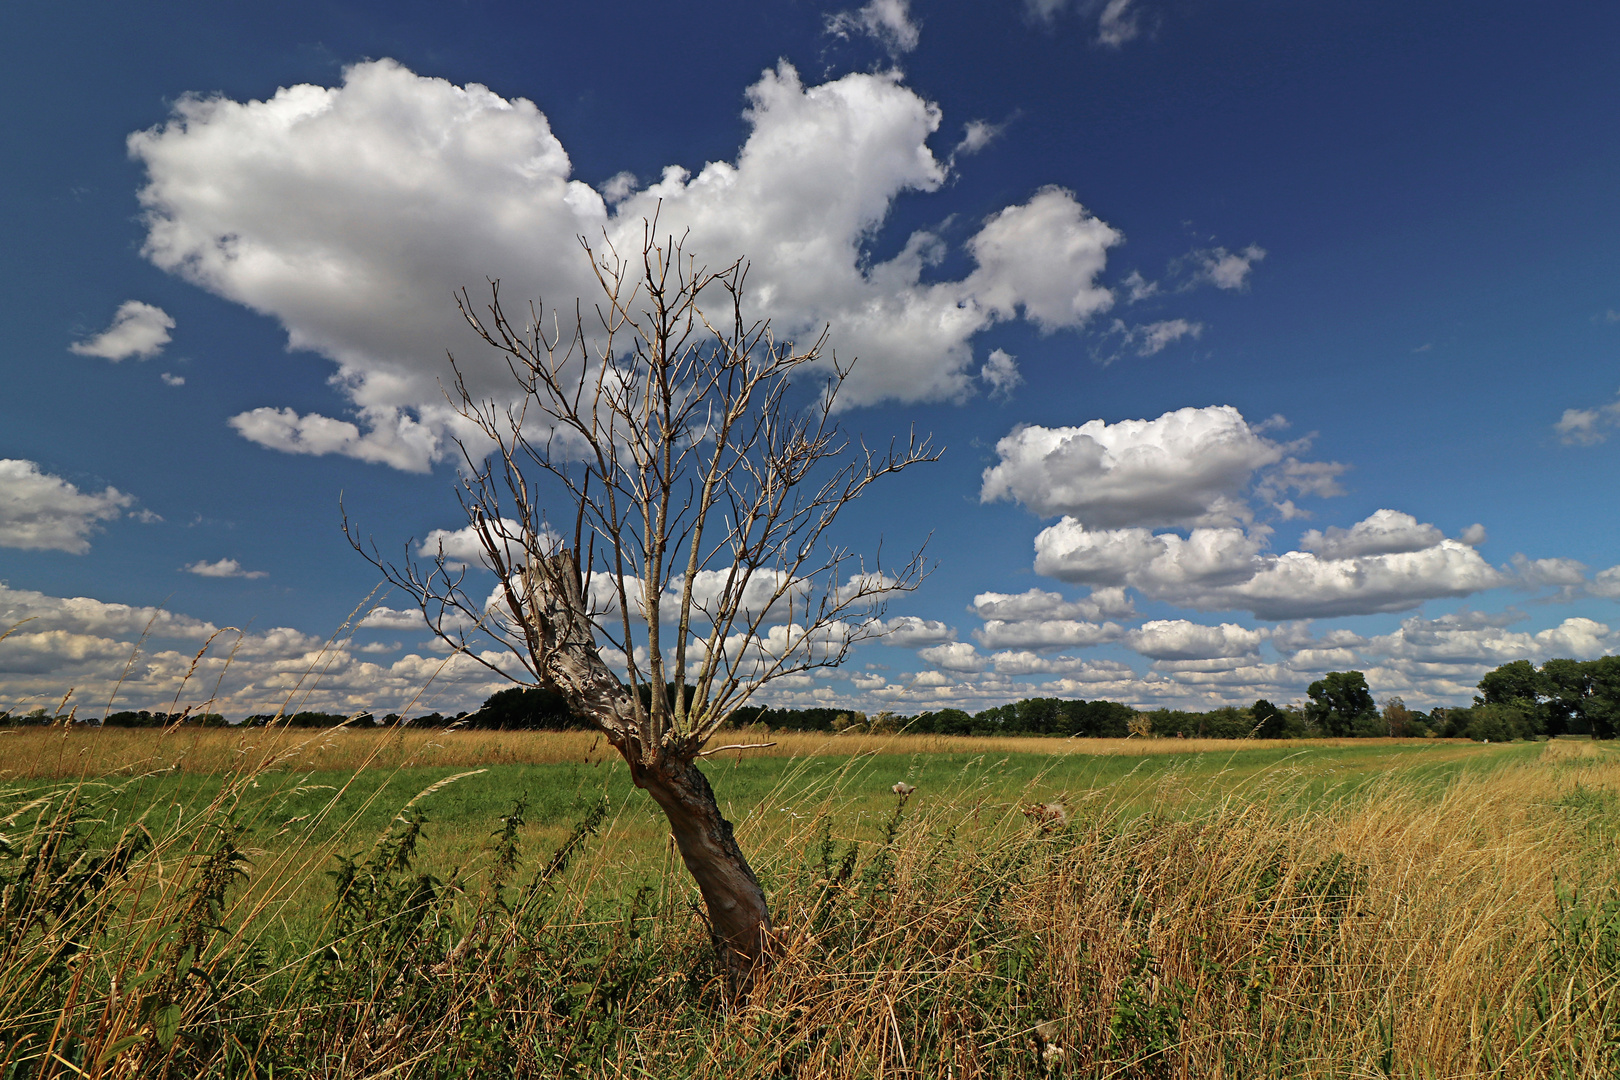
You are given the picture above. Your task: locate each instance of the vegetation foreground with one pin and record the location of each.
(344, 904)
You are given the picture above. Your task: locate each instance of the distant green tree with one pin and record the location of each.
(1268, 720)
(1497, 723)
(1342, 705)
(519, 708)
(1566, 684)
(1518, 686)
(1097, 719)
(1603, 700)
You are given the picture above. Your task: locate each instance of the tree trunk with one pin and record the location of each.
(565, 637)
(738, 917)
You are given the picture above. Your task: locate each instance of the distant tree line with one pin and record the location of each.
(1562, 697)
(1516, 701)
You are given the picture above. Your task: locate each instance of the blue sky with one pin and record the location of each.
(1264, 339)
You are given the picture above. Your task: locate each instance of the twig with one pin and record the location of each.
(736, 746)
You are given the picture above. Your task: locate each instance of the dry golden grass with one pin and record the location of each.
(1168, 929)
(1395, 934)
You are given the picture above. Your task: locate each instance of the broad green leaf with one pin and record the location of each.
(166, 1025)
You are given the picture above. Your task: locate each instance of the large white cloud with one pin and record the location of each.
(137, 329)
(39, 511)
(1227, 569)
(1179, 639)
(1475, 643)
(1383, 533)
(911, 631)
(1043, 257)
(1161, 565)
(1189, 467)
(1045, 634)
(1041, 604)
(84, 615)
(351, 213)
(954, 656)
(1299, 585)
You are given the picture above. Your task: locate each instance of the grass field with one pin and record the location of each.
(367, 903)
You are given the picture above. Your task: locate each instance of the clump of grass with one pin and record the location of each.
(1408, 927)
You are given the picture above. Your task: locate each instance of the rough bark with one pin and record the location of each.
(738, 916)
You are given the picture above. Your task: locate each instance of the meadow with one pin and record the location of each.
(426, 903)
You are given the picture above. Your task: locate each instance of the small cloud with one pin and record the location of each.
(1118, 24)
(1425, 347)
(381, 647)
(137, 330)
(146, 517)
(1044, 11)
(224, 568)
(385, 618)
(1151, 338)
(1587, 427)
(1118, 21)
(1274, 422)
(173, 380)
(1609, 316)
(1155, 336)
(1001, 372)
(976, 135)
(1138, 288)
(888, 21)
(1473, 536)
(1226, 269)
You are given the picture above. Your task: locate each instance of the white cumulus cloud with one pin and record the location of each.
(909, 631)
(151, 656)
(1041, 604)
(1189, 467)
(351, 213)
(1179, 639)
(1045, 634)
(954, 656)
(1587, 427)
(1220, 569)
(39, 511)
(223, 568)
(137, 329)
(1384, 532)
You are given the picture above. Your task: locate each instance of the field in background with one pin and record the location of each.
(1037, 907)
(42, 752)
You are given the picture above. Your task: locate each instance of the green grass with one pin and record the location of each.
(345, 811)
(1404, 909)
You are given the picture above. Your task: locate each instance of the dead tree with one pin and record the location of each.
(656, 504)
